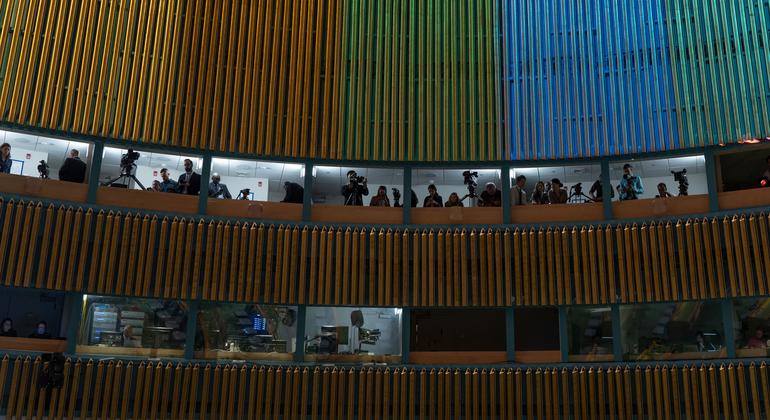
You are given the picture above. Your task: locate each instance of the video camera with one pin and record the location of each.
(470, 180)
(42, 169)
(681, 178)
(244, 194)
(355, 179)
(396, 194)
(127, 161)
(577, 189)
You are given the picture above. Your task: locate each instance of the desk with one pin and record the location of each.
(33, 344)
(43, 188)
(147, 200)
(660, 207)
(239, 355)
(352, 358)
(356, 214)
(128, 351)
(689, 355)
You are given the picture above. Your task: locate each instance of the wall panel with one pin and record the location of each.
(120, 389)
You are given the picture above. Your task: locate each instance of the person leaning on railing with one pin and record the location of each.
(491, 196)
(5, 158)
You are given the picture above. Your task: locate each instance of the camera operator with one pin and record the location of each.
(630, 186)
(189, 182)
(73, 169)
(218, 189)
(355, 190)
(294, 193)
(491, 196)
(168, 185)
(454, 201)
(5, 158)
(433, 199)
(663, 191)
(557, 195)
(518, 195)
(381, 199)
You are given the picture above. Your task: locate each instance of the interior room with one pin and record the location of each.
(577, 181)
(466, 330)
(26, 308)
(329, 180)
(590, 333)
(751, 325)
(448, 181)
(353, 331)
(677, 330)
(257, 180)
(27, 150)
(655, 171)
(147, 170)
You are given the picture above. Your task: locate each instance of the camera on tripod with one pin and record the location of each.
(42, 169)
(577, 189)
(244, 194)
(681, 178)
(127, 161)
(396, 194)
(470, 178)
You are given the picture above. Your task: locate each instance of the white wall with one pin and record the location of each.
(258, 186)
(388, 320)
(25, 162)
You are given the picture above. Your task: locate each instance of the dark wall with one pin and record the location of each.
(742, 170)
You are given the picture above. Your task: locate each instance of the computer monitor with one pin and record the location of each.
(259, 323)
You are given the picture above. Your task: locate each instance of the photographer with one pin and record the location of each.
(491, 196)
(355, 190)
(294, 193)
(217, 189)
(630, 186)
(168, 185)
(433, 199)
(518, 195)
(189, 182)
(454, 201)
(5, 158)
(73, 169)
(557, 195)
(381, 199)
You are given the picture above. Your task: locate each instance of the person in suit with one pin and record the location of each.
(218, 189)
(189, 182)
(518, 195)
(74, 169)
(294, 193)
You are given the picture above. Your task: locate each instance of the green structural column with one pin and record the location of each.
(299, 350)
(192, 329)
(606, 189)
(406, 328)
(510, 337)
(203, 198)
(307, 197)
(74, 304)
(617, 345)
(563, 334)
(406, 195)
(711, 180)
(97, 154)
(728, 312)
(505, 181)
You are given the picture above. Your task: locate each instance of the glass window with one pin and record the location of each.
(447, 330)
(33, 155)
(153, 171)
(536, 335)
(357, 186)
(256, 180)
(744, 168)
(590, 334)
(556, 185)
(133, 327)
(448, 187)
(752, 327)
(246, 331)
(353, 334)
(660, 177)
(30, 314)
(672, 331)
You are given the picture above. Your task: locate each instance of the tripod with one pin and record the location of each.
(579, 198)
(125, 175)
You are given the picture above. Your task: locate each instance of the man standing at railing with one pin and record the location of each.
(189, 181)
(73, 169)
(5, 158)
(631, 185)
